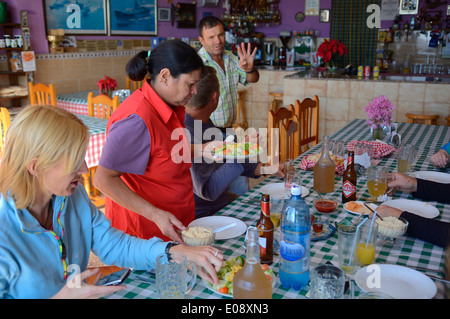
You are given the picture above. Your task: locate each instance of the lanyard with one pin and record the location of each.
(62, 247)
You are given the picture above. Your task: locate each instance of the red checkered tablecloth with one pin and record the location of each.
(75, 102)
(97, 131)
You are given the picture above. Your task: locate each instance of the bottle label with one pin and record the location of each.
(291, 251)
(348, 189)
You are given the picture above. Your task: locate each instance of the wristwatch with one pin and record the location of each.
(170, 245)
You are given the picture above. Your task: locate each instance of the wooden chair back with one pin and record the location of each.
(134, 85)
(240, 122)
(41, 94)
(103, 104)
(307, 112)
(5, 122)
(282, 137)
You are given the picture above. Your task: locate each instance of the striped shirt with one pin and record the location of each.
(225, 114)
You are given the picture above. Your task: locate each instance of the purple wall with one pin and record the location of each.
(288, 9)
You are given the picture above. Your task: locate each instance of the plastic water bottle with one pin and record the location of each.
(295, 229)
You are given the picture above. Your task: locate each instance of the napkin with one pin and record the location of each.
(363, 160)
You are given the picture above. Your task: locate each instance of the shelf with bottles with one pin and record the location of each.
(260, 13)
(16, 39)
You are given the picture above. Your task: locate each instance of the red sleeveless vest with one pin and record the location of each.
(166, 184)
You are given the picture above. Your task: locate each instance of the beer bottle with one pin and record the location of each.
(266, 229)
(349, 180)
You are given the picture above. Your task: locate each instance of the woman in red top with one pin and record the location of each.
(148, 190)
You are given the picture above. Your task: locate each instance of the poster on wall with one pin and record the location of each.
(389, 9)
(409, 6)
(76, 17)
(132, 17)
(312, 7)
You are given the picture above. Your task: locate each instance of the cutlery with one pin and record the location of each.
(370, 208)
(438, 278)
(251, 202)
(223, 227)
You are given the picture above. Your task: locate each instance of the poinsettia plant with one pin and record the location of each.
(331, 51)
(106, 85)
(379, 112)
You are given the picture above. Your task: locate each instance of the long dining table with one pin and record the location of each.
(408, 251)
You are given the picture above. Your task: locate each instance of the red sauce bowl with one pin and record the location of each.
(325, 206)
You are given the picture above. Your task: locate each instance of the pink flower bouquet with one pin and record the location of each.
(379, 112)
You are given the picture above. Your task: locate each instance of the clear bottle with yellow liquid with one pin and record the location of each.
(250, 282)
(324, 170)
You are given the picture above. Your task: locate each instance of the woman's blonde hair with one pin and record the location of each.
(47, 133)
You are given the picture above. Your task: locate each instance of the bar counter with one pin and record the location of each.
(343, 98)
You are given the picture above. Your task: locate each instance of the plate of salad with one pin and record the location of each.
(237, 150)
(226, 275)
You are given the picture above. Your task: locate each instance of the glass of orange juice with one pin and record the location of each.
(377, 181)
(366, 248)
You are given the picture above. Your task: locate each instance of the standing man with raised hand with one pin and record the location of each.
(230, 69)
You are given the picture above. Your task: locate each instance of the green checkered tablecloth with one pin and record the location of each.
(412, 252)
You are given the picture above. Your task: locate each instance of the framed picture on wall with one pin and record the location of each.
(324, 15)
(409, 6)
(86, 17)
(132, 17)
(164, 14)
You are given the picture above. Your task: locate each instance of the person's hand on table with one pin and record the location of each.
(440, 159)
(402, 182)
(77, 288)
(385, 211)
(207, 259)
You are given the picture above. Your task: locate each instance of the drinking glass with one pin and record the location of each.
(291, 178)
(327, 282)
(338, 148)
(348, 238)
(377, 181)
(406, 158)
(367, 243)
(276, 206)
(172, 280)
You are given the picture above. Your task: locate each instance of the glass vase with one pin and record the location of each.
(377, 133)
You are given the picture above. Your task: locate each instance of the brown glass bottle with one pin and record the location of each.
(349, 180)
(266, 229)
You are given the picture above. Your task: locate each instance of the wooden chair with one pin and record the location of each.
(104, 105)
(134, 85)
(283, 140)
(430, 119)
(274, 99)
(307, 112)
(448, 120)
(5, 122)
(41, 94)
(240, 109)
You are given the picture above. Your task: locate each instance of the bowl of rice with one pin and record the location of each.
(198, 236)
(392, 227)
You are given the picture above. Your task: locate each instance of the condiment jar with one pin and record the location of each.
(7, 40)
(19, 40)
(13, 43)
(2, 43)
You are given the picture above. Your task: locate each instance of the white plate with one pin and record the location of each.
(373, 206)
(277, 189)
(396, 281)
(219, 221)
(414, 206)
(210, 287)
(439, 177)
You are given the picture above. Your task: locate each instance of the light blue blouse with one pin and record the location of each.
(30, 256)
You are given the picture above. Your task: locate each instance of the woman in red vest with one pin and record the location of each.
(148, 189)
